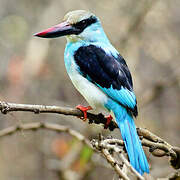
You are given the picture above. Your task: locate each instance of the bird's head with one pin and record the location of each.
(76, 25)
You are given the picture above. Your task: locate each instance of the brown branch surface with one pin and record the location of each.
(157, 146)
(37, 109)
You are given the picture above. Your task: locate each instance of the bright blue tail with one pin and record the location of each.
(133, 145)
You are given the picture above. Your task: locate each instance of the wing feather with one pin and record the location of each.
(109, 73)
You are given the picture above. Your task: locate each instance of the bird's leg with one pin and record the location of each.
(108, 120)
(84, 109)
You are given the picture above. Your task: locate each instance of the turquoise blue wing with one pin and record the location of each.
(123, 96)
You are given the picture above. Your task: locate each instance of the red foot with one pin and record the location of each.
(84, 109)
(109, 119)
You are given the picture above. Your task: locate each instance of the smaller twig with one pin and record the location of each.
(100, 146)
(114, 164)
(168, 151)
(130, 167)
(158, 143)
(49, 126)
(174, 175)
(149, 135)
(113, 145)
(175, 163)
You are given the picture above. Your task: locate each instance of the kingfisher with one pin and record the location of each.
(102, 76)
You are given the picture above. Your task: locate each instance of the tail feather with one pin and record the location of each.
(132, 142)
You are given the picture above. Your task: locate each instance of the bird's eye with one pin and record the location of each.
(83, 22)
(81, 25)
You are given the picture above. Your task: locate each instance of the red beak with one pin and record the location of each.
(61, 29)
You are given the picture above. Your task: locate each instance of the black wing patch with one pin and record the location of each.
(102, 68)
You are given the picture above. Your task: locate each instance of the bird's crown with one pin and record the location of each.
(74, 17)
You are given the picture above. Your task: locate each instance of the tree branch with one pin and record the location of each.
(114, 164)
(37, 109)
(106, 146)
(77, 135)
(157, 146)
(49, 126)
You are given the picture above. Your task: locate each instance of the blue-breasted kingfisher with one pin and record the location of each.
(101, 75)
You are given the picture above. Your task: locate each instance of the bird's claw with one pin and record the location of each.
(84, 109)
(108, 120)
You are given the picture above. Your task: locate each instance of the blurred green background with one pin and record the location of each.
(145, 32)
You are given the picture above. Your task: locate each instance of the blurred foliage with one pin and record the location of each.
(145, 32)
